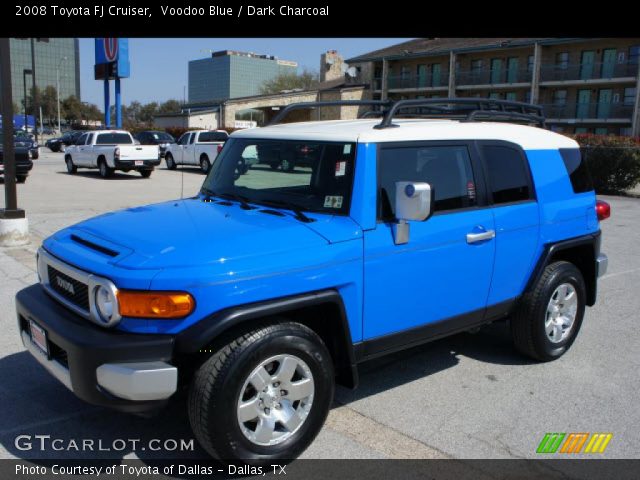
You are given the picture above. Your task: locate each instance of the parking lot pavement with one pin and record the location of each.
(468, 396)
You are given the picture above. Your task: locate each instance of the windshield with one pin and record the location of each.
(113, 139)
(163, 137)
(290, 174)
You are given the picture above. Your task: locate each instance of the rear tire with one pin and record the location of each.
(263, 396)
(205, 165)
(21, 178)
(549, 317)
(168, 159)
(146, 173)
(105, 171)
(71, 168)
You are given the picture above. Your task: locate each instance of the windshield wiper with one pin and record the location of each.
(242, 200)
(288, 206)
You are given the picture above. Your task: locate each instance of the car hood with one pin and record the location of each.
(192, 232)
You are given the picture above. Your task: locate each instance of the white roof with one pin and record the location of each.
(362, 131)
(107, 131)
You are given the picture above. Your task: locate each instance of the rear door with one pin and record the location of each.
(439, 280)
(515, 210)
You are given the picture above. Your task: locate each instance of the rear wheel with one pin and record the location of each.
(168, 159)
(71, 168)
(205, 165)
(146, 173)
(105, 171)
(264, 396)
(21, 178)
(549, 317)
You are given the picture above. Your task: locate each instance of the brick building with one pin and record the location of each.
(585, 84)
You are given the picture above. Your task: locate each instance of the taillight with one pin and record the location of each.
(603, 210)
(220, 147)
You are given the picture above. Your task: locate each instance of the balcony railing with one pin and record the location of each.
(413, 81)
(492, 76)
(604, 111)
(587, 71)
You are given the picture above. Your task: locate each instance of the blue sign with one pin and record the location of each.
(113, 55)
(18, 121)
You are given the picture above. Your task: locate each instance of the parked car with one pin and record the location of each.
(59, 144)
(24, 164)
(301, 154)
(155, 137)
(111, 150)
(25, 140)
(200, 148)
(402, 231)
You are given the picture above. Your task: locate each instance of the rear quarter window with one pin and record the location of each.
(113, 139)
(577, 170)
(213, 137)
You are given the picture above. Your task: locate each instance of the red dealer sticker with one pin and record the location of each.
(471, 190)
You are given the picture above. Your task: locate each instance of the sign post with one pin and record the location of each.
(112, 63)
(14, 229)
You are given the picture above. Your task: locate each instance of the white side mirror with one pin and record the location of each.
(413, 202)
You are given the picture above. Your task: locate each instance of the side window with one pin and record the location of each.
(446, 168)
(183, 139)
(508, 174)
(81, 139)
(577, 169)
(192, 139)
(90, 139)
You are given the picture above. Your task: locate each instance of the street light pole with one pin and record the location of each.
(34, 100)
(58, 89)
(25, 72)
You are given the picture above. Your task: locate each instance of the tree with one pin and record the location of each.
(49, 104)
(170, 106)
(148, 111)
(307, 80)
(71, 109)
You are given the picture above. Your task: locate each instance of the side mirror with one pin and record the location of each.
(413, 201)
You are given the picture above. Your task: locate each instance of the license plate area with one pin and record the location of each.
(139, 163)
(39, 337)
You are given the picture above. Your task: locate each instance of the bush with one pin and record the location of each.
(614, 162)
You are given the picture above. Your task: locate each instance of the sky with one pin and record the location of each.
(159, 65)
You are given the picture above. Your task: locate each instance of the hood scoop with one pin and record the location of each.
(94, 246)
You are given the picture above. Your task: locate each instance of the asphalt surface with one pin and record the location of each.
(468, 396)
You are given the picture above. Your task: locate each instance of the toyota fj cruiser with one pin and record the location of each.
(393, 233)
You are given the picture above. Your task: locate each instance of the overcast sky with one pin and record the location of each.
(159, 66)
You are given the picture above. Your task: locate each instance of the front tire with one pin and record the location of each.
(263, 396)
(549, 317)
(168, 159)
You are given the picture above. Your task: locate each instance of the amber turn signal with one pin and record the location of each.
(155, 304)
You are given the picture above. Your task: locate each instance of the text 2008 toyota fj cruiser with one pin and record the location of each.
(390, 233)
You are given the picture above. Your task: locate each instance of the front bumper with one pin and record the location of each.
(127, 372)
(131, 165)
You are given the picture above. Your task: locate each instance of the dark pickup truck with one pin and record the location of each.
(24, 164)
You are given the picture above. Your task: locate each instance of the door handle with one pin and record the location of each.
(481, 236)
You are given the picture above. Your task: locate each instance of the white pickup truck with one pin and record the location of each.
(199, 147)
(111, 150)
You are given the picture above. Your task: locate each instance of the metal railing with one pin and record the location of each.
(587, 71)
(493, 76)
(413, 81)
(604, 111)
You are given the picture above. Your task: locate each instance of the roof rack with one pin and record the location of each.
(334, 103)
(466, 109)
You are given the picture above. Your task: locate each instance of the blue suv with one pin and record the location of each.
(271, 284)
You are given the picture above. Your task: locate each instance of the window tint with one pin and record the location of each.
(213, 137)
(577, 169)
(192, 138)
(508, 174)
(90, 139)
(81, 139)
(113, 139)
(447, 169)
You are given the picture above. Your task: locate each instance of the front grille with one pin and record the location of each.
(70, 288)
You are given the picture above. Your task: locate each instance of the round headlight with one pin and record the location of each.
(106, 304)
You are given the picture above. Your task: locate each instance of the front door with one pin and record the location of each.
(189, 151)
(444, 271)
(436, 74)
(604, 102)
(608, 62)
(496, 70)
(584, 99)
(586, 64)
(178, 153)
(512, 70)
(422, 76)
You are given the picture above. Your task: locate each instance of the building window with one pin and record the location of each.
(495, 96)
(634, 54)
(629, 96)
(530, 61)
(602, 131)
(562, 60)
(476, 66)
(511, 96)
(560, 97)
